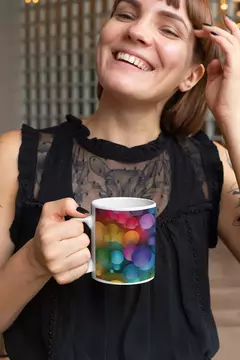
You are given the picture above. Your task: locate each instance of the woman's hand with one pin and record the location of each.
(223, 85)
(60, 247)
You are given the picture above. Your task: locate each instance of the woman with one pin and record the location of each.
(151, 61)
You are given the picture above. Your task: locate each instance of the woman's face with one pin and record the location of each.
(145, 50)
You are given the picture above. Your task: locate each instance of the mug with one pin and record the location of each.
(123, 237)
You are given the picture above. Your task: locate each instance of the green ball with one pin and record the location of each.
(103, 257)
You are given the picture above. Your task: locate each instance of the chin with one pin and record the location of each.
(125, 89)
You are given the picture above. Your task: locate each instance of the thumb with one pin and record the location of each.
(80, 213)
(60, 209)
(214, 69)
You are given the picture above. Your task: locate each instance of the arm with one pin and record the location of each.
(222, 96)
(229, 218)
(20, 280)
(58, 249)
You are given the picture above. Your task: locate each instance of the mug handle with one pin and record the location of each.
(89, 222)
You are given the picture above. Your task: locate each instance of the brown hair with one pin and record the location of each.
(184, 113)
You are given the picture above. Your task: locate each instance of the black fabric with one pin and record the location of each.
(104, 148)
(168, 318)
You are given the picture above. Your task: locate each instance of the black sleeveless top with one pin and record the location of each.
(168, 318)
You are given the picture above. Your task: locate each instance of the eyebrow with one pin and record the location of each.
(165, 13)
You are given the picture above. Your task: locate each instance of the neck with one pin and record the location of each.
(128, 124)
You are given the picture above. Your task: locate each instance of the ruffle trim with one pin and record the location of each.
(113, 151)
(190, 210)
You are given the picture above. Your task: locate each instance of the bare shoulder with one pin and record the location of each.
(10, 143)
(229, 175)
(221, 150)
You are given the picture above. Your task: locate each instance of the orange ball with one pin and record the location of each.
(131, 237)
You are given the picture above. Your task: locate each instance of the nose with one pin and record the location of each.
(139, 32)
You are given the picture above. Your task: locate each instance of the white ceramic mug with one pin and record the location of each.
(123, 237)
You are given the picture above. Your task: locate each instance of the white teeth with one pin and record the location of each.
(133, 60)
(136, 62)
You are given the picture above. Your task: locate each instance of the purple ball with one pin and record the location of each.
(150, 264)
(152, 240)
(141, 256)
(147, 221)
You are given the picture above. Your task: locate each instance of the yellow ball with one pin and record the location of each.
(100, 230)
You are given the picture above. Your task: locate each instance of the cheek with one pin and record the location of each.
(105, 39)
(173, 56)
(107, 33)
(100, 53)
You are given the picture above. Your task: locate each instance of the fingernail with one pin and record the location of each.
(82, 210)
(207, 24)
(228, 16)
(213, 33)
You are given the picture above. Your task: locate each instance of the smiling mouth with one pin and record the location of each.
(132, 60)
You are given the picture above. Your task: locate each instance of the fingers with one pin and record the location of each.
(78, 259)
(209, 30)
(69, 276)
(228, 42)
(232, 26)
(214, 69)
(71, 246)
(49, 233)
(65, 248)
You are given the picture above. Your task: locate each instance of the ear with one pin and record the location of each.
(195, 76)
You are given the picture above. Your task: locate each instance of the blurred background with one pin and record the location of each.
(47, 70)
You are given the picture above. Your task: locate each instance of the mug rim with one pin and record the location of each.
(99, 204)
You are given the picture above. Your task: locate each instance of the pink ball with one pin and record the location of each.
(132, 223)
(122, 218)
(128, 251)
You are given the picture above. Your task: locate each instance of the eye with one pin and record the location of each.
(169, 32)
(125, 16)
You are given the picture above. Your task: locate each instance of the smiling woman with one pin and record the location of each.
(150, 63)
(185, 111)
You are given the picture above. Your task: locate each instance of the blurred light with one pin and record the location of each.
(224, 6)
(238, 25)
(238, 13)
(28, 1)
(35, 1)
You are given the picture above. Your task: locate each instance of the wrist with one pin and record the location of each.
(37, 268)
(230, 131)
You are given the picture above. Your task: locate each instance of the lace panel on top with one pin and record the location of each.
(192, 150)
(94, 177)
(45, 143)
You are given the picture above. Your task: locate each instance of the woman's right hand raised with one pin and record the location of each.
(61, 247)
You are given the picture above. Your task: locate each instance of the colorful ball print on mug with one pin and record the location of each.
(123, 240)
